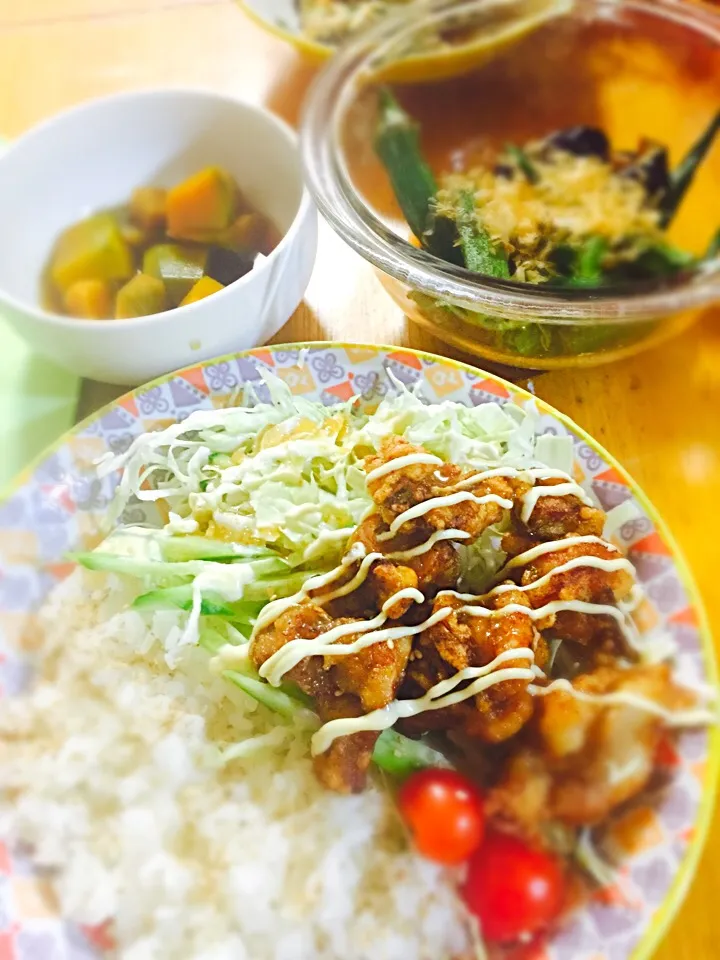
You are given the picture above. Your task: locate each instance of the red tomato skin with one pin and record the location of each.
(514, 890)
(444, 812)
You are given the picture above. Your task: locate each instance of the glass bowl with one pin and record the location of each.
(637, 68)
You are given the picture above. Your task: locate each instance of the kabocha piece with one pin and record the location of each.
(682, 176)
(205, 202)
(205, 287)
(92, 259)
(178, 265)
(245, 236)
(91, 249)
(134, 235)
(140, 297)
(148, 208)
(89, 300)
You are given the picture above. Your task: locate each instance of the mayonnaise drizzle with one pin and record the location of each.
(428, 544)
(629, 604)
(536, 473)
(442, 694)
(276, 608)
(371, 631)
(560, 606)
(697, 716)
(550, 547)
(294, 651)
(289, 655)
(599, 563)
(435, 503)
(548, 609)
(409, 460)
(356, 581)
(530, 499)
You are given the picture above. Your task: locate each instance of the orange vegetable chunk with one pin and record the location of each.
(89, 299)
(93, 249)
(204, 202)
(205, 287)
(147, 208)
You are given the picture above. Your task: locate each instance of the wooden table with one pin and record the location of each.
(657, 413)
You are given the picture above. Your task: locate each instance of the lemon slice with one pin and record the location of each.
(496, 27)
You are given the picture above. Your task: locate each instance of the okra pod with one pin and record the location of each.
(480, 253)
(397, 143)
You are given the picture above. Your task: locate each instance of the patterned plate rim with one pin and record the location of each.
(675, 896)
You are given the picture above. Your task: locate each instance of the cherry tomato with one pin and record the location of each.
(514, 890)
(444, 812)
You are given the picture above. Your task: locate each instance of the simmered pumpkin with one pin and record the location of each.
(165, 248)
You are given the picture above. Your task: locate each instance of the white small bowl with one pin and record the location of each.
(92, 157)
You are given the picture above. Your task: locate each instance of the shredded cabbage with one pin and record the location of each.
(260, 497)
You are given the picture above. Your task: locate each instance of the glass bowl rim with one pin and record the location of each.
(350, 217)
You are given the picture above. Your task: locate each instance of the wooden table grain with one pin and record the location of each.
(657, 413)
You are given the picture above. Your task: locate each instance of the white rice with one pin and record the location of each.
(111, 773)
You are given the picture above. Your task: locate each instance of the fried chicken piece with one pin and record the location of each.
(556, 517)
(586, 759)
(461, 641)
(552, 518)
(344, 765)
(436, 569)
(384, 579)
(409, 486)
(341, 686)
(585, 583)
